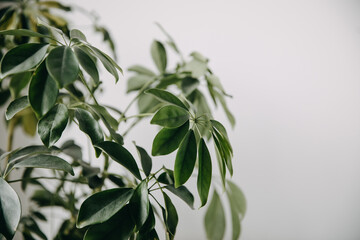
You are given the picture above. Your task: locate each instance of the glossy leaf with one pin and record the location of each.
(215, 223)
(139, 204)
(121, 156)
(62, 65)
(105, 115)
(26, 151)
(101, 206)
(169, 139)
(10, 210)
(141, 70)
(183, 193)
(44, 161)
(158, 54)
(170, 116)
(185, 159)
(172, 218)
(205, 172)
(87, 64)
(146, 161)
(22, 58)
(167, 97)
(224, 148)
(89, 125)
(119, 227)
(16, 106)
(43, 91)
(51, 126)
(147, 230)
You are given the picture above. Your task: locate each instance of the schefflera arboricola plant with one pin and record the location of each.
(62, 76)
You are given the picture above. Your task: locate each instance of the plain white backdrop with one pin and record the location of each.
(293, 68)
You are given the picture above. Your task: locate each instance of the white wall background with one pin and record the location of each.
(293, 69)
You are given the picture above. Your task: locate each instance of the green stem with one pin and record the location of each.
(10, 140)
(141, 115)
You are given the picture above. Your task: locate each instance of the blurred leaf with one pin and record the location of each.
(29, 122)
(52, 125)
(44, 198)
(196, 67)
(25, 178)
(185, 159)
(4, 96)
(147, 103)
(43, 91)
(158, 54)
(62, 65)
(169, 139)
(146, 161)
(137, 82)
(215, 223)
(22, 58)
(10, 210)
(205, 172)
(76, 33)
(31, 225)
(70, 148)
(170, 116)
(139, 205)
(101, 206)
(121, 156)
(18, 82)
(167, 97)
(16, 106)
(141, 70)
(23, 32)
(235, 193)
(189, 84)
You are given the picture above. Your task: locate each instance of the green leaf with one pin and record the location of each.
(109, 64)
(229, 115)
(101, 206)
(205, 172)
(121, 156)
(146, 161)
(44, 198)
(18, 83)
(29, 150)
(24, 33)
(170, 116)
(214, 80)
(224, 148)
(16, 106)
(44, 161)
(76, 33)
(218, 126)
(215, 223)
(235, 193)
(51, 126)
(139, 204)
(167, 97)
(169, 139)
(142, 70)
(158, 54)
(235, 219)
(146, 231)
(62, 65)
(183, 193)
(90, 126)
(103, 113)
(189, 84)
(185, 159)
(43, 91)
(171, 216)
(119, 227)
(137, 82)
(22, 58)
(147, 103)
(87, 64)
(196, 67)
(10, 210)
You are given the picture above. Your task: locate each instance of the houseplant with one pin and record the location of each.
(52, 75)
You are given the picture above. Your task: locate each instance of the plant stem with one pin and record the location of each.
(10, 140)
